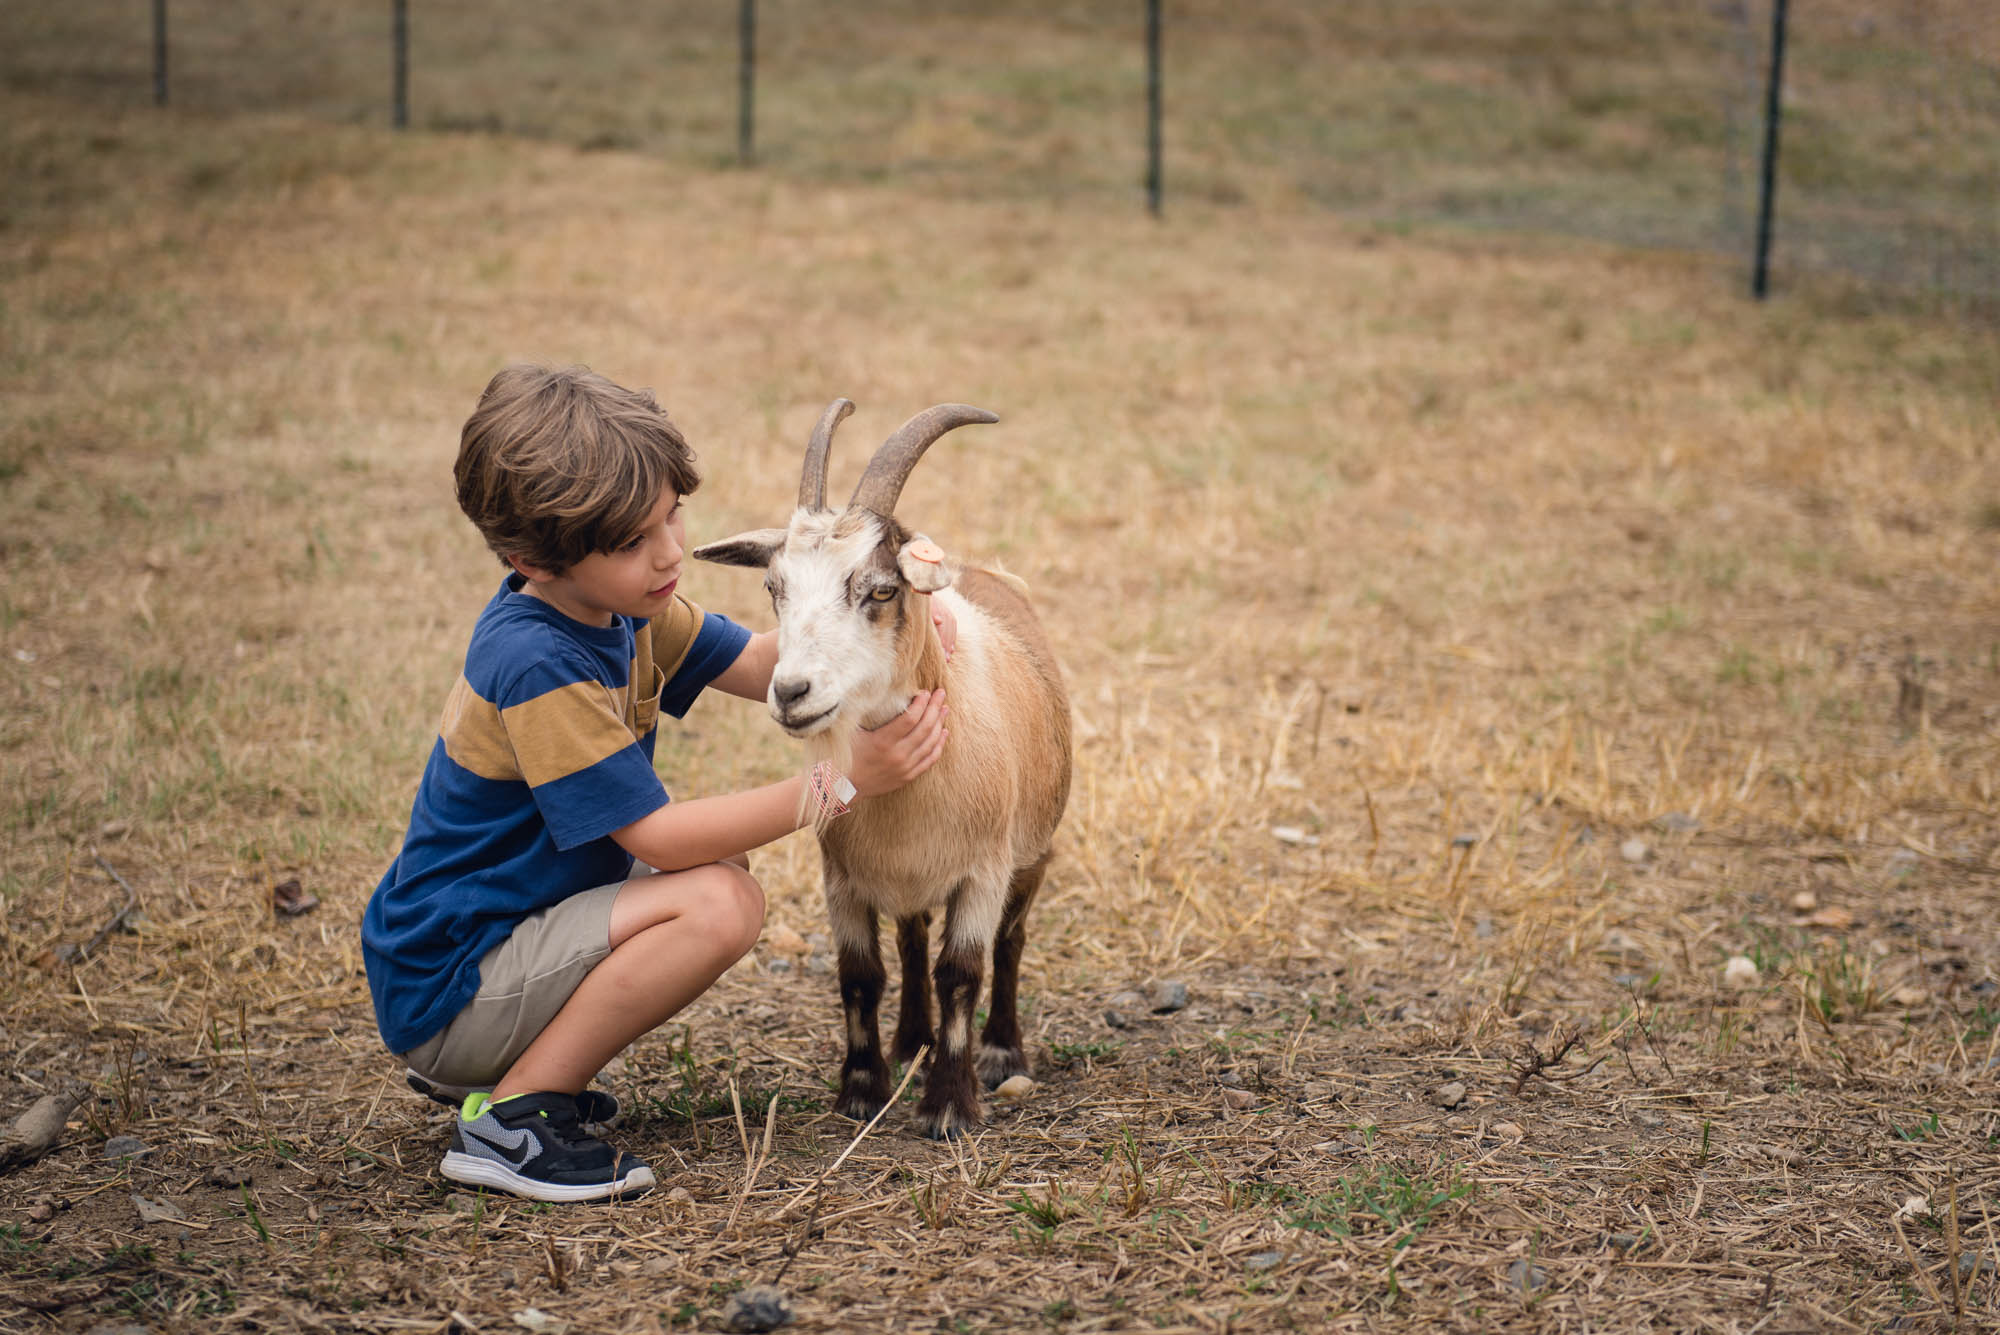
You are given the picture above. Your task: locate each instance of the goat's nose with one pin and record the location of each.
(790, 690)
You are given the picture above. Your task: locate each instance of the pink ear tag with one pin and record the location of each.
(926, 551)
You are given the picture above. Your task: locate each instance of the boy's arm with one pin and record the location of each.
(687, 834)
(749, 677)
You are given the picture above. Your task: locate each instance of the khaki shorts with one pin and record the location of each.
(523, 982)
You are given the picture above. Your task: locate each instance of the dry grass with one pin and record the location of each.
(1402, 583)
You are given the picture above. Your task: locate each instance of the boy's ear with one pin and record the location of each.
(533, 574)
(755, 548)
(921, 562)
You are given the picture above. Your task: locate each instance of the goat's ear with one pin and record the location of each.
(922, 563)
(755, 548)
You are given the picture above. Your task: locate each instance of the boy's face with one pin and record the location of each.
(635, 578)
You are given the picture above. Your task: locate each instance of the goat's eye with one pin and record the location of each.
(883, 593)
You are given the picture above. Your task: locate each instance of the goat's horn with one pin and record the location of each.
(812, 482)
(890, 468)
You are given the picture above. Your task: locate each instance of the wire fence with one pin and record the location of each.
(1630, 122)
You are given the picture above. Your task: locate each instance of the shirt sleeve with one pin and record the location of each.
(717, 643)
(588, 773)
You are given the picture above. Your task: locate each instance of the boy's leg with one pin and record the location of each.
(672, 935)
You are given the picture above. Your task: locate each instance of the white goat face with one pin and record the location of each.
(841, 582)
(840, 602)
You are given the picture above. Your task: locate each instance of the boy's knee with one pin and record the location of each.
(736, 907)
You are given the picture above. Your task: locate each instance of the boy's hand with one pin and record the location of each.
(888, 757)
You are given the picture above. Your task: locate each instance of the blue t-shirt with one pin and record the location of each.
(545, 747)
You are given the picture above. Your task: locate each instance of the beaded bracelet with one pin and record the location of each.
(831, 790)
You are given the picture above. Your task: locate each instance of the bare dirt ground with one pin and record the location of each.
(1545, 711)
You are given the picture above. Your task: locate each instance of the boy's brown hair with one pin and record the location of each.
(558, 462)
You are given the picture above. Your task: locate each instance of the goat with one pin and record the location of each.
(972, 835)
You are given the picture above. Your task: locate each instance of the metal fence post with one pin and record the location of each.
(400, 15)
(746, 81)
(159, 53)
(1153, 170)
(1760, 281)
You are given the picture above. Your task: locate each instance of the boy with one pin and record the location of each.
(511, 950)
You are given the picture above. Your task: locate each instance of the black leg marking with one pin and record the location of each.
(864, 1076)
(1000, 1052)
(913, 1011)
(951, 1092)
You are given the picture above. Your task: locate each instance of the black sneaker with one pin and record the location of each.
(594, 1107)
(534, 1145)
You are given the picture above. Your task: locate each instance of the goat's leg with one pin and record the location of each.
(864, 1076)
(1000, 1053)
(913, 1010)
(950, 1106)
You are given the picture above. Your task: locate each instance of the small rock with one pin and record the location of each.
(290, 899)
(541, 1323)
(114, 829)
(1482, 927)
(681, 1196)
(230, 1175)
(1740, 971)
(1129, 1001)
(1117, 1019)
(1508, 1130)
(1634, 850)
(459, 1202)
(757, 1308)
(1985, 987)
(1238, 1099)
(1678, 822)
(1623, 1242)
(780, 965)
(654, 1267)
(1464, 840)
(126, 1147)
(1263, 1260)
(1908, 997)
(1527, 1278)
(41, 1212)
(1318, 1089)
(1450, 1095)
(1971, 1264)
(782, 940)
(1014, 1087)
(157, 1212)
(1832, 916)
(1805, 901)
(1168, 997)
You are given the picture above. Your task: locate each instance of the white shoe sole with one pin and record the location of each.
(478, 1172)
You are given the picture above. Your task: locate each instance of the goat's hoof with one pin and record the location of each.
(947, 1123)
(861, 1102)
(997, 1065)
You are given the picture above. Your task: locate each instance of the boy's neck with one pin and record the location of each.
(540, 594)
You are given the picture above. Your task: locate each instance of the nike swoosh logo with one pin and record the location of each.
(516, 1151)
